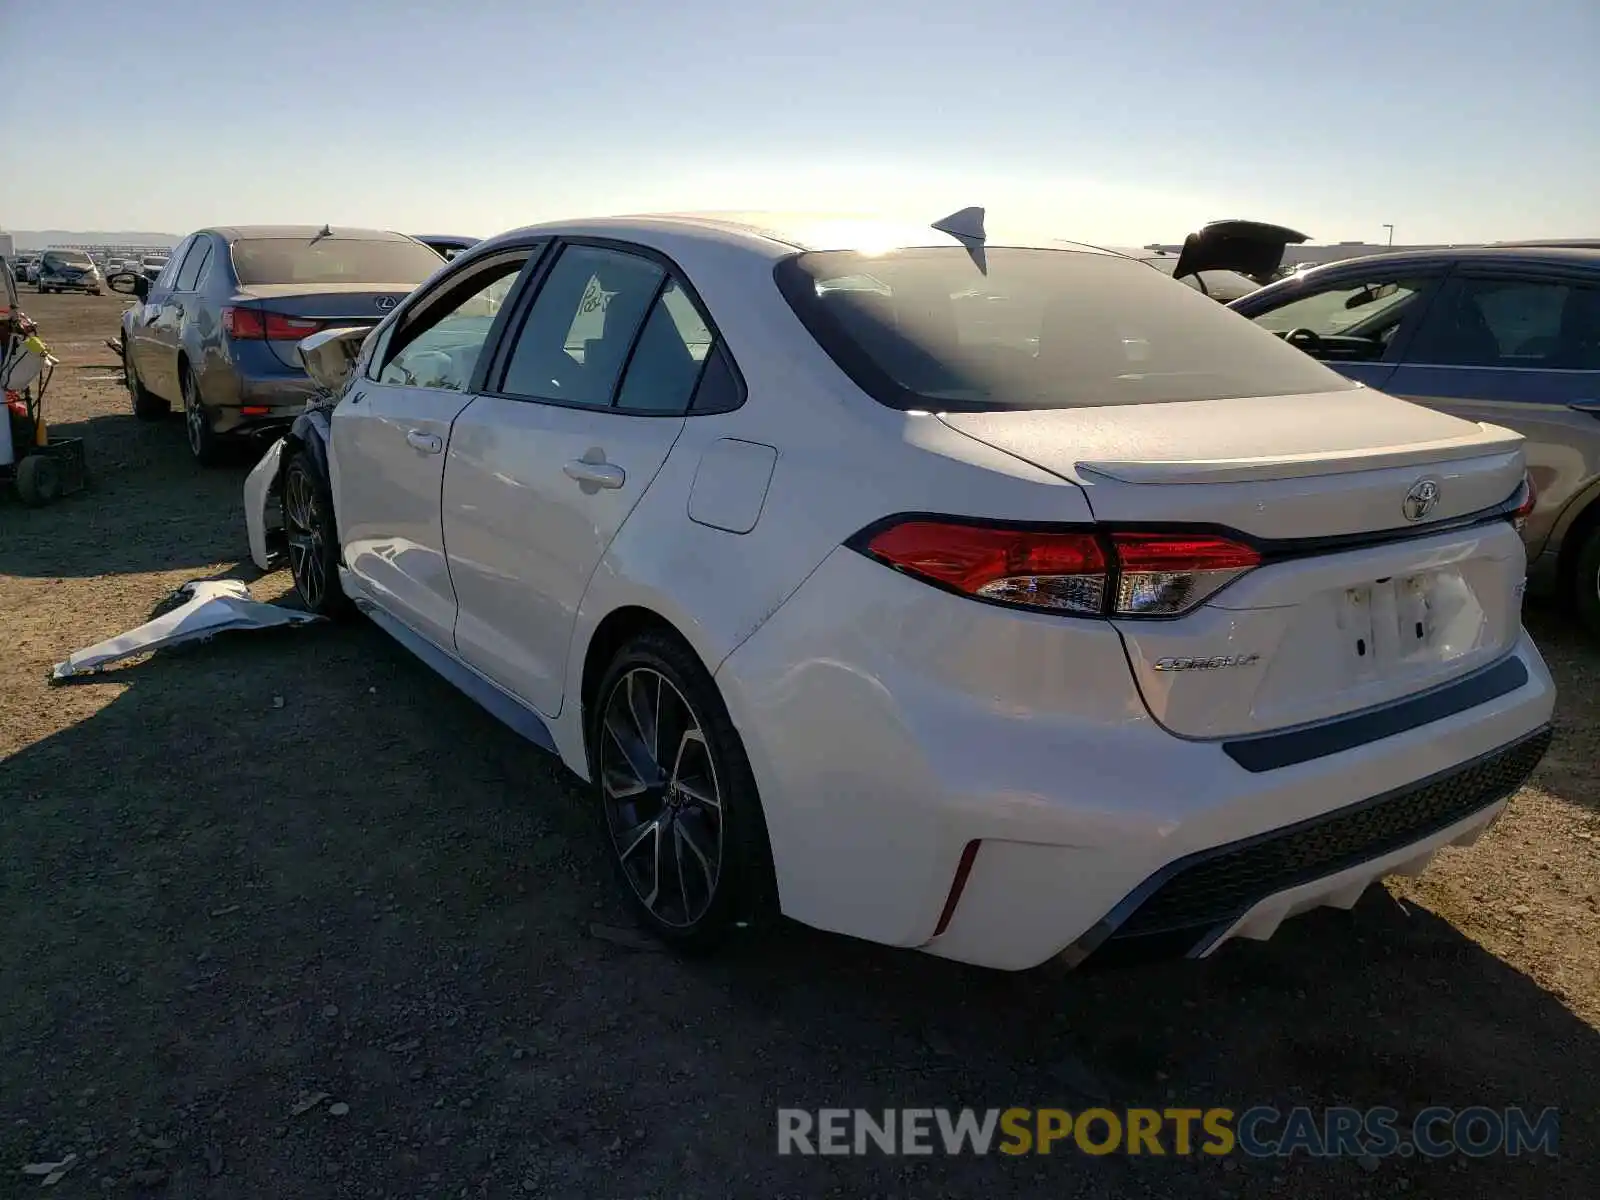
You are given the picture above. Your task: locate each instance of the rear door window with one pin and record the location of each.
(575, 342)
(169, 272)
(669, 357)
(193, 265)
(1499, 322)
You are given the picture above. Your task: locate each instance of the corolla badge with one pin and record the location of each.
(1215, 663)
(385, 303)
(1421, 499)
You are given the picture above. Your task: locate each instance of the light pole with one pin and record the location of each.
(1390, 228)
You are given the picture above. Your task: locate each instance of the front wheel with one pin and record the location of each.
(308, 527)
(687, 835)
(38, 479)
(147, 406)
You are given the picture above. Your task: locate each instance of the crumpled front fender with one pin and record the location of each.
(261, 516)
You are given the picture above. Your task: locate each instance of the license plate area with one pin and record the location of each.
(1403, 621)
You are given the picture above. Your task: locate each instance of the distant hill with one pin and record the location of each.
(41, 239)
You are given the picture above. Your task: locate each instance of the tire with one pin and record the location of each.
(313, 537)
(1585, 583)
(700, 794)
(147, 406)
(205, 444)
(38, 479)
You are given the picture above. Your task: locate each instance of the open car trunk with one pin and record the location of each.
(1375, 581)
(1251, 248)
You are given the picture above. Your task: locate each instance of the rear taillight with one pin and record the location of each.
(1160, 574)
(254, 323)
(1526, 496)
(1085, 572)
(1014, 566)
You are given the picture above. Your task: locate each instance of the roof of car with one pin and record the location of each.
(777, 235)
(1557, 254)
(236, 232)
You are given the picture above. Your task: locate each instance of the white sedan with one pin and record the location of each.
(997, 597)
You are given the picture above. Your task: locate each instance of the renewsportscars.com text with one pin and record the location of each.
(1258, 1132)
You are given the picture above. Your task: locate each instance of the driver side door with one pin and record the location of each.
(390, 433)
(154, 357)
(1357, 321)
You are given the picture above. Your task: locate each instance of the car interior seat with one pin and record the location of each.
(1465, 337)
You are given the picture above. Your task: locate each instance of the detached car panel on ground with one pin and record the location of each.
(1509, 334)
(942, 588)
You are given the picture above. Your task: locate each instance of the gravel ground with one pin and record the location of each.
(241, 875)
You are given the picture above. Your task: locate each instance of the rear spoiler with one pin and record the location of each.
(1251, 248)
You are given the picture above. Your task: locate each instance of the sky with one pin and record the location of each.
(1127, 122)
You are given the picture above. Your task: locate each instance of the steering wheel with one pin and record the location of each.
(1304, 339)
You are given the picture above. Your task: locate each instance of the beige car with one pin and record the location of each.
(1508, 335)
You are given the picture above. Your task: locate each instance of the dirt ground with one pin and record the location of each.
(237, 875)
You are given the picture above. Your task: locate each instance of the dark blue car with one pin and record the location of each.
(1508, 335)
(215, 332)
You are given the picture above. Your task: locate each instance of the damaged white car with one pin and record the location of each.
(994, 596)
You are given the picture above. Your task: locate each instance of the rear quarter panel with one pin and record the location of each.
(841, 462)
(1562, 447)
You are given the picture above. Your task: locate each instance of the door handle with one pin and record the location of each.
(428, 443)
(600, 474)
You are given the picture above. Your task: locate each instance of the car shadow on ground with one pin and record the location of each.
(297, 861)
(155, 508)
(1568, 770)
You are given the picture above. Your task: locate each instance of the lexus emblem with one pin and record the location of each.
(385, 303)
(1421, 499)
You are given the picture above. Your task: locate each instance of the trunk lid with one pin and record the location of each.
(1252, 248)
(343, 305)
(1355, 604)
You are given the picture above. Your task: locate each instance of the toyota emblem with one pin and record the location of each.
(385, 303)
(1421, 499)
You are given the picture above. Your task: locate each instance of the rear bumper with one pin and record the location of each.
(249, 403)
(891, 727)
(1249, 887)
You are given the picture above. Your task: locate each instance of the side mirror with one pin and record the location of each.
(330, 356)
(129, 284)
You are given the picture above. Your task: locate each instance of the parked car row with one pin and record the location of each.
(991, 596)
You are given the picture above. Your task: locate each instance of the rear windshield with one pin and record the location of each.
(331, 260)
(1031, 329)
(75, 258)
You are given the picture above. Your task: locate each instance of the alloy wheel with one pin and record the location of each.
(194, 416)
(658, 783)
(303, 530)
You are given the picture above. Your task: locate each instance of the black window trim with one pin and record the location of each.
(421, 305)
(497, 364)
(1520, 272)
(187, 246)
(204, 240)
